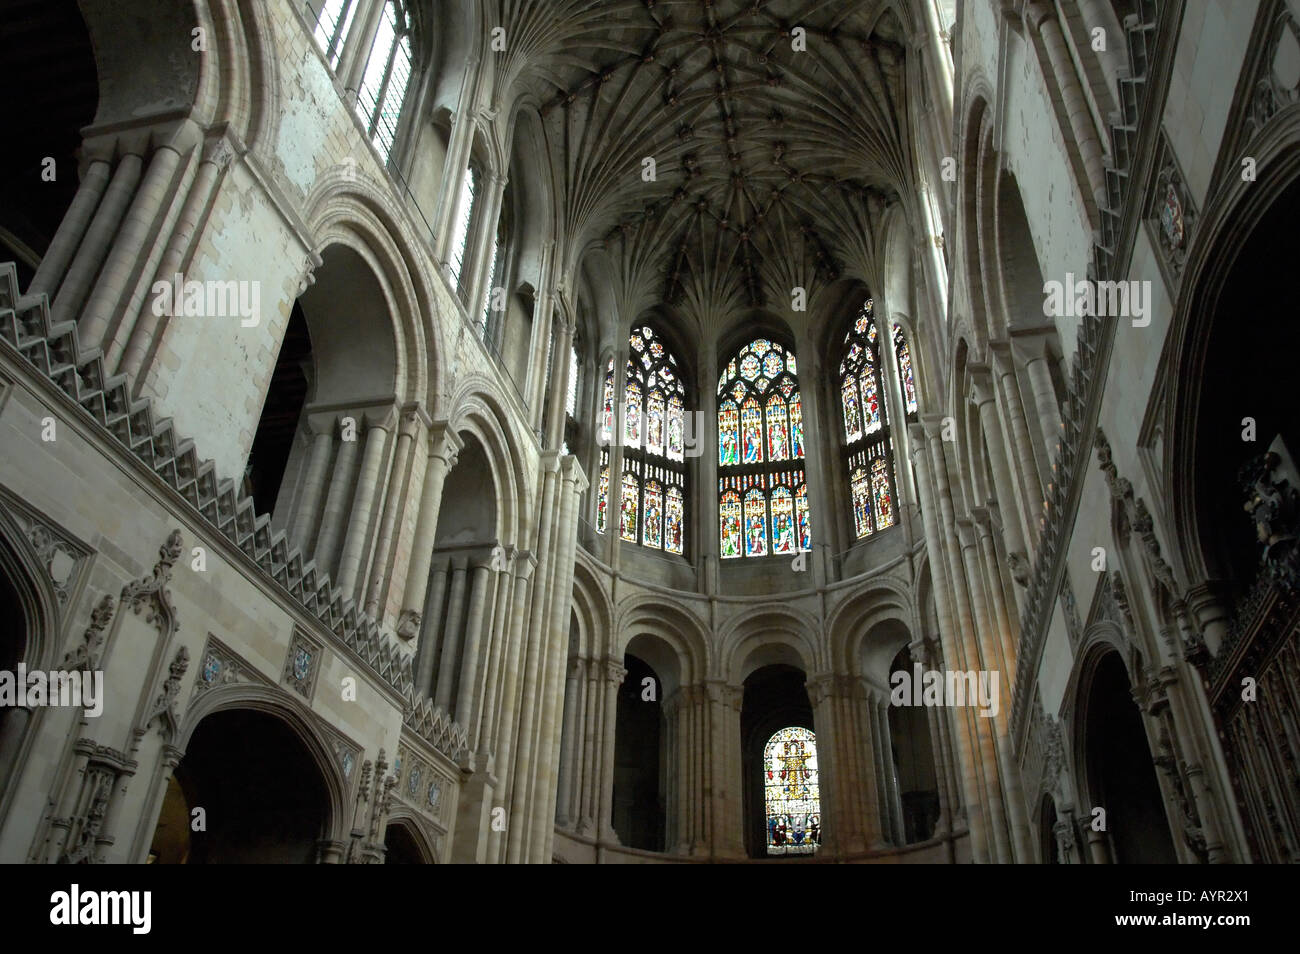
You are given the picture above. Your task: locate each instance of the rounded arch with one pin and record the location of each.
(645, 618)
(476, 412)
(765, 635)
(847, 625)
(347, 209)
(593, 612)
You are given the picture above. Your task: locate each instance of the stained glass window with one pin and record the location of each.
(652, 523)
(906, 382)
(760, 429)
(867, 440)
(607, 405)
(652, 425)
(602, 493)
(729, 524)
(880, 496)
(790, 792)
(755, 524)
(630, 502)
(674, 515)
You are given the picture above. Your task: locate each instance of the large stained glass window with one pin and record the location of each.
(790, 792)
(762, 495)
(651, 425)
(868, 447)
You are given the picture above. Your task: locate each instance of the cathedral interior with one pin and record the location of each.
(649, 432)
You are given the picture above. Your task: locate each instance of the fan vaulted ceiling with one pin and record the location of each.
(772, 165)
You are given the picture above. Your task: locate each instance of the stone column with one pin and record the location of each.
(572, 483)
(443, 447)
(1033, 352)
(614, 674)
(99, 319)
(1041, 16)
(396, 500)
(217, 153)
(846, 755)
(364, 502)
(1028, 479)
(357, 45)
(332, 517)
(306, 516)
(459, 145)
(452, 633)
(954, 625)
(982, 393)
(704, 424)
(479, 268)
(571, 747)
(534, 649)
(466, 697)
(428, 645)
(817, 424)
(543, 320)
(99, 237)
(724, 787)
(504, 732)
(54, 264)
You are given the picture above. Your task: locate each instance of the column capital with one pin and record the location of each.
(444, 443)
(615, 671)
(981, 381)
(1030, 344)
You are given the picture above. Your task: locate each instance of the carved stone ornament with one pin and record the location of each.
(163, 710)
(84, 657)
(151, 593)
(1275, 506)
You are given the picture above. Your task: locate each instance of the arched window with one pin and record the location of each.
(460, 229)
(867, 446)
(333, 21)
(790, 792)
(652, 488)
(387, 75)
(906, 380)
(762, 493)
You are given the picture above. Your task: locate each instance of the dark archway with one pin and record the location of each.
(262, 796)
(639, 790)
(1121, 774)
(401, 847)
(913, 762)
(774, 698)
(1049, 847)
(48, 66)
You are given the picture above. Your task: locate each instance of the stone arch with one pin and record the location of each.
(593, 611)
(848, 623)
(418, 845)
(1229, 266)
(1113, 765)
(29, 615)
(349, 210)
(300, 724)
(677, 630)
(764, 635)
(477, 412)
